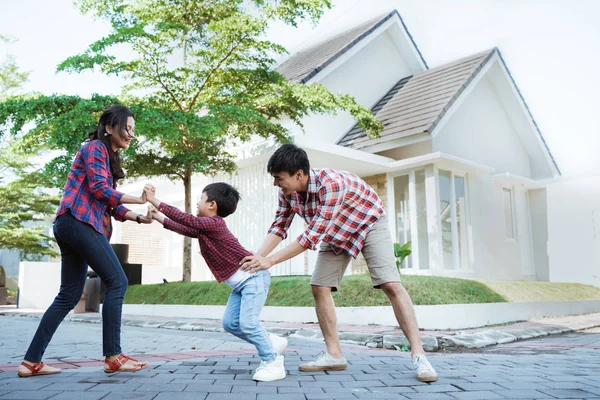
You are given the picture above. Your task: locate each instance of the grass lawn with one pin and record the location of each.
(295, 291)
(514, 291)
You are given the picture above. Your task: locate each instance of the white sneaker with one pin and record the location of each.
(270, 371)
(279, 343)
(425, 372)
(324, 362)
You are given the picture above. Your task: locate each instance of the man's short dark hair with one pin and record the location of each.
(225, 195)
(288, 158)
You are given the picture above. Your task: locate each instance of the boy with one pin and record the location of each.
(223, 253)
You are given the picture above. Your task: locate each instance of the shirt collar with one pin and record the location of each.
(312, 181)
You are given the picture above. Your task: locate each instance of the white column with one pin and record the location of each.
(434, 230)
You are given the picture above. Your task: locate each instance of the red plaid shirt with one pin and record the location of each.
(221, 250)
(90, 193)
(340, 209)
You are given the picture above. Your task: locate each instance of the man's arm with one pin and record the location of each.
(256, 262)
(270, 242)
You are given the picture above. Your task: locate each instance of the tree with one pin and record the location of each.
(24, 204)
(11, 77)
(201, 78)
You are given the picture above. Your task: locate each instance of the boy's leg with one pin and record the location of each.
(253, 296)
(231, 317)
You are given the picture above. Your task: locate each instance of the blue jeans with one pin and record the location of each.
(80, 246)
(241, 316)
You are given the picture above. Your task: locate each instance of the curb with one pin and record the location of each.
(391, 342)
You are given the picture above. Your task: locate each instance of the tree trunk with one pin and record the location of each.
(187, 242)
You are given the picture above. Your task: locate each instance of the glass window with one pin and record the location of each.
(508, 213)
(453, 220)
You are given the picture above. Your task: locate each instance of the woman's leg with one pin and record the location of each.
(72, 282)
(254, 294)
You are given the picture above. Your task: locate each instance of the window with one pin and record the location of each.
(453, 220)
(508, 213)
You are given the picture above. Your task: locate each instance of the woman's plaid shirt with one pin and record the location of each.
(221, 250)
(339, 208)
(90, 193)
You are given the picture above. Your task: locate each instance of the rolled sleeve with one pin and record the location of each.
(119, 212)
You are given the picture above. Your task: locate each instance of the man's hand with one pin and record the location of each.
(255, 263)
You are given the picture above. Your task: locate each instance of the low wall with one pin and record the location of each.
(39, 282)
(441, 317)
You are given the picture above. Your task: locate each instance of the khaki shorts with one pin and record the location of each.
(378, 252)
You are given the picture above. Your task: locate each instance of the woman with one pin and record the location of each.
(82, 228)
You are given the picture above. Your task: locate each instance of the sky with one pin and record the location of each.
(552, 48)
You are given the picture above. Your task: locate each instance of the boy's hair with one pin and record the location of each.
(225, 195)
(288, 158)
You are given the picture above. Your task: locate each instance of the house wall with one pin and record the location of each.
(368, 75)
(481, 131)
(412, 150)
(574, 231)
(539, 225)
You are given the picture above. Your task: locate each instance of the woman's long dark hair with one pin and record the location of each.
(115, 117)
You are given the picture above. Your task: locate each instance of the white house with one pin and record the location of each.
(461, 164)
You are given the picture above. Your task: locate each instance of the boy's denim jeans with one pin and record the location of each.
(80, 246)
(242, 314)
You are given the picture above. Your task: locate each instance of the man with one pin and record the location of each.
(347, 217)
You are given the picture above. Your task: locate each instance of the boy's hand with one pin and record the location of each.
(143, 197)
(155, 214)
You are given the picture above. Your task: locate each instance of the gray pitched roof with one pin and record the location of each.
(305, 64)
(416, 104)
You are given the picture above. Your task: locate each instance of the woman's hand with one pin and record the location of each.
(143, 198)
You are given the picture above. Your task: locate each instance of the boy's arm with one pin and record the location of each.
(202, 224)
(172, 225)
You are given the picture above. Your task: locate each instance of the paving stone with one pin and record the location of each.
(81, 396)
(475, 395)
(29, 395)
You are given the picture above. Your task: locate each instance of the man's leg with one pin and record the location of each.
(378, 253)
(326, 278)
(325, 308)
(405, 314)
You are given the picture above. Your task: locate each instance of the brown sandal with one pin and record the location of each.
(118, 363)
(36, 369)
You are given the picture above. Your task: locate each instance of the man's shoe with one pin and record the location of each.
(279, 343)
(270, 371)
(425, 372)
(325, 362)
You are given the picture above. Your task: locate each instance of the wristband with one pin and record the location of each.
(137, 219)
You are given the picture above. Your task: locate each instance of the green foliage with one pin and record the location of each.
(24, 203)
(11, 76)
(294, 291)
(401, 252)
(201, 79)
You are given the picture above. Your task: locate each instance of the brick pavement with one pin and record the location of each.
(213, 365)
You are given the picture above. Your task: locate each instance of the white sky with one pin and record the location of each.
(552, 48)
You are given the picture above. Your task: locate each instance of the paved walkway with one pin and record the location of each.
(187, 364)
